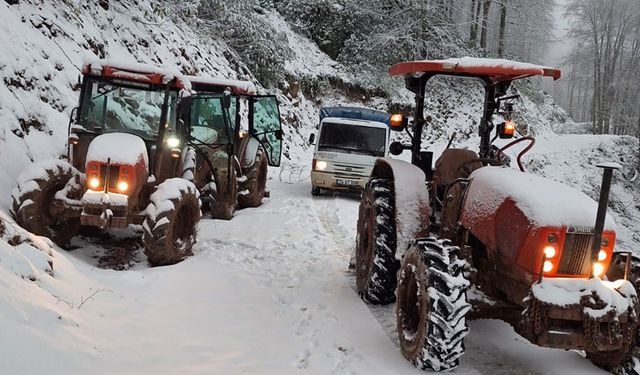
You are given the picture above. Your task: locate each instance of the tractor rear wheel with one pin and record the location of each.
(33, 199)
(171, 222)
(376, 264)
(432, 305)
(253, 186)
(224, 196)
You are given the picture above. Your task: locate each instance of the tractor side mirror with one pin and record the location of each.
(398, 122)
(312, 138)
(507, 129)
(396, 148)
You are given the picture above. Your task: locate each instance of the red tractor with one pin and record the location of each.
(537, 248)
(145, 148)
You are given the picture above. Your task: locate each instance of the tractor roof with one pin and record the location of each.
(134, 72)
(494, 70)
(200, 83)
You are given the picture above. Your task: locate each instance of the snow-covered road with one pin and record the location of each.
(266, 293)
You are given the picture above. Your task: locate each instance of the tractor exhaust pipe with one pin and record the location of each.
(605, 189)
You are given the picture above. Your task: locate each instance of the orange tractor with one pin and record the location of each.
(536, 248)
(145, 148)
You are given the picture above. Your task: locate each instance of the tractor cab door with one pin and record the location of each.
(265, 126)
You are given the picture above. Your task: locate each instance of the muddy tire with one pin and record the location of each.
(432, 305)
(254, 183)
(189, 164)
(171, 222)
(376, 264)
(315, 191)
(224, 195)
(34, 196)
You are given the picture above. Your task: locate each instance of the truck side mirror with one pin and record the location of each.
(312, 138)
(396, 148)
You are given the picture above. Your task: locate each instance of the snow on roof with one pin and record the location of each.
(128, 70)
(121, 148)
(545, 202)
(495, 69)
(237, 86)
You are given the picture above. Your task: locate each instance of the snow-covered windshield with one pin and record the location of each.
(115, 108)
(354, 139)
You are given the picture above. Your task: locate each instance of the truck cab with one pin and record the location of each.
(349, 141)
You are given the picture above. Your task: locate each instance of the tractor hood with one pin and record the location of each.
(544, 202)
(118, 148)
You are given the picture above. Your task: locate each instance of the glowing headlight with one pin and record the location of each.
(173, 142)
(123, 186)
(548, 266)
(550, 251)
(321, 165)
(598, 270)
(242, 133)
(602, 255)
(94, 182)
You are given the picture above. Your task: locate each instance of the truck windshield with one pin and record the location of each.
(354, 139)
(108, 108)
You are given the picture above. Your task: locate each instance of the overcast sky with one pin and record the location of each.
(559, 49)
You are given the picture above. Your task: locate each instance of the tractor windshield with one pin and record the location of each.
(353, 139)
(135, 108)
(209, 124)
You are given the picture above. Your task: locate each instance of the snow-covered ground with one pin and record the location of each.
(268, 292)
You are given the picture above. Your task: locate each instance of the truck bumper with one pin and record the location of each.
(330, 181)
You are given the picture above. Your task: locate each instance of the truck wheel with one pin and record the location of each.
(33, 199)
(253, 186)
(224, 195)
(315, 191)
(171, 222)
(376, 265)
(432, 305)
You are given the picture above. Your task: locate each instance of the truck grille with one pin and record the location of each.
(351, 171)
(576, 254)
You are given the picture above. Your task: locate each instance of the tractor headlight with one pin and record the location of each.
(123, 186)
(173, 142)
(94, 182)
(602, 255)
(598, 270)
(547, 267)
(549, 251)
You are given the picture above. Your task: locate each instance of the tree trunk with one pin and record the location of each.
(475, 13)
(486, 6)
(503, 26)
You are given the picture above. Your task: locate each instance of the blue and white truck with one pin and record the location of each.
(349, 141)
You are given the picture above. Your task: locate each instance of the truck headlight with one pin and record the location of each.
(321, 165)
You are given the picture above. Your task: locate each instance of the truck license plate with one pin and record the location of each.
(340, 181)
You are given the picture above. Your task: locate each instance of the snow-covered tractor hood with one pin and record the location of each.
(118, 148)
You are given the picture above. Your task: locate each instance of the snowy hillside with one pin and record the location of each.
(268, 292)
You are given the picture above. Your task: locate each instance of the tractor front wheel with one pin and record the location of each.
(432, 305)
(224, 194)
(33, 201)
(254, 182)
(171, 222)
(376, 265)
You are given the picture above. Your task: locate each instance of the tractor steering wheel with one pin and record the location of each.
(515, 142)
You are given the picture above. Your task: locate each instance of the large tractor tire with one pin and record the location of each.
(254, 182)
(376, 264)
(224, 194)
(171, 222)
(33, 199)
(432, 305)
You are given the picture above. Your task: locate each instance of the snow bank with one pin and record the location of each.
(121, 148)
(545, 202)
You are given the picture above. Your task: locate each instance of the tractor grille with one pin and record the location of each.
(576, 254)
(114, 172)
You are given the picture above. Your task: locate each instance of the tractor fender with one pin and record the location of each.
(411, 200)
